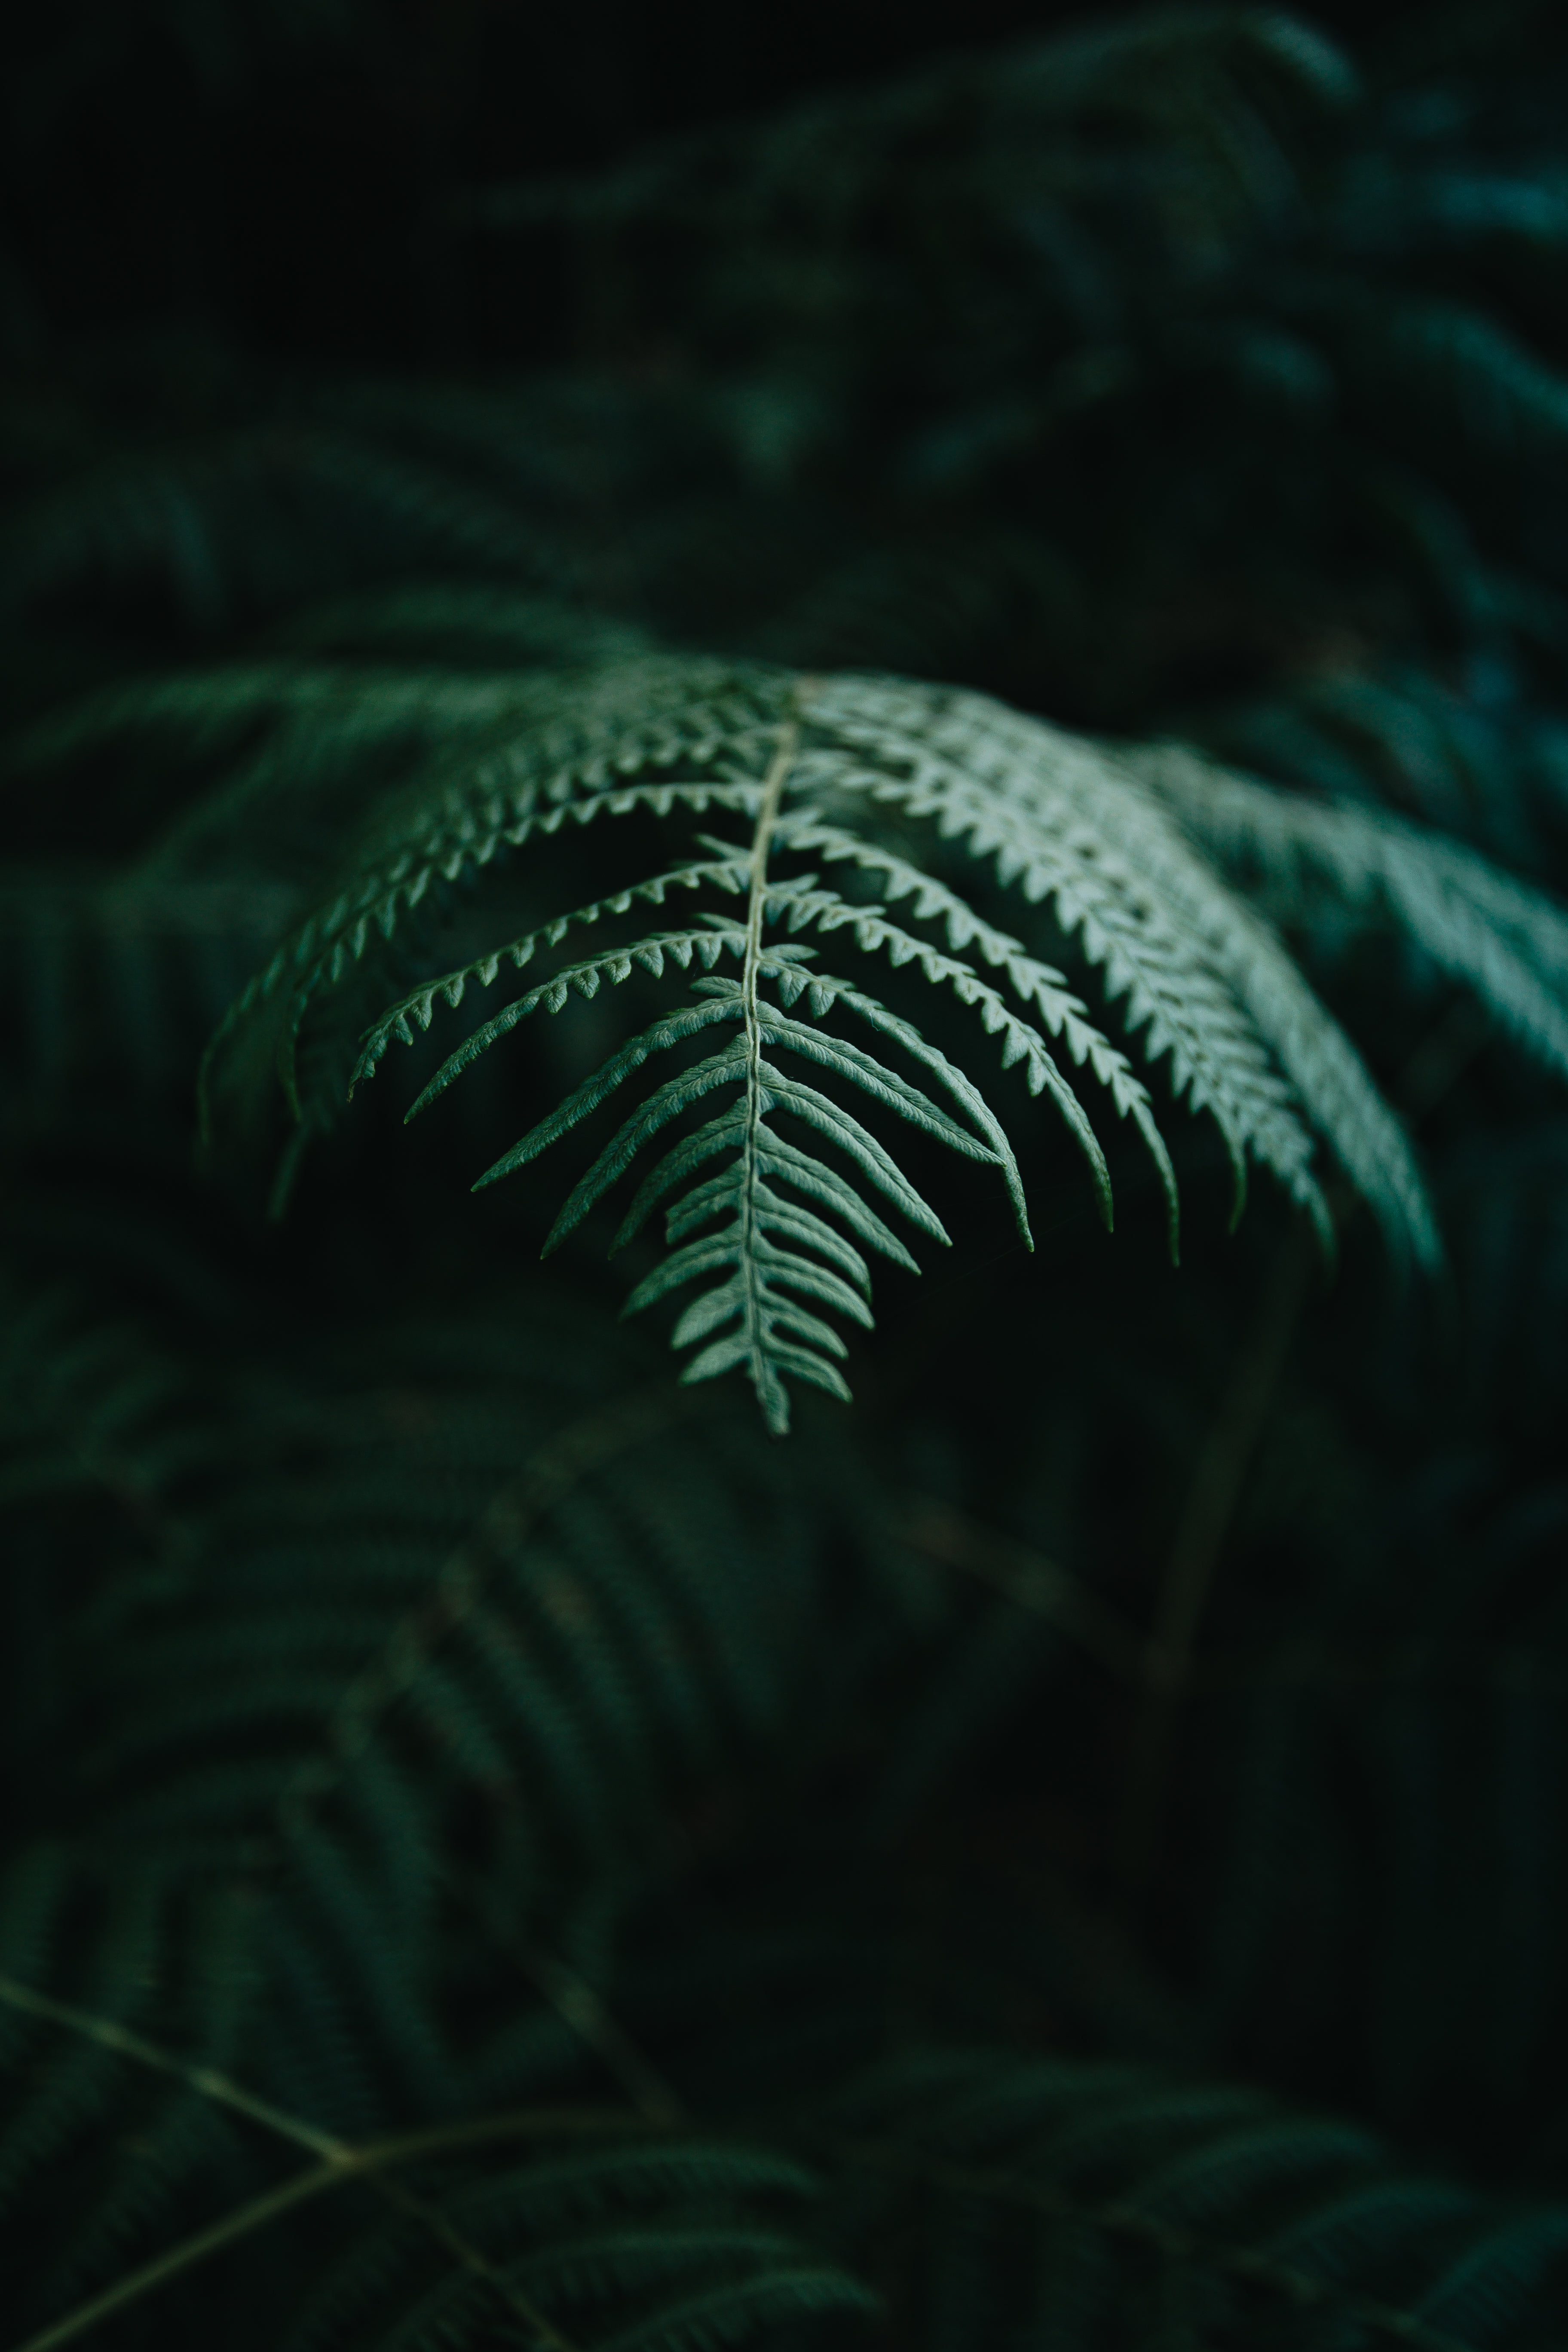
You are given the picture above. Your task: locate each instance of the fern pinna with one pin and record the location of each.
(825, 772)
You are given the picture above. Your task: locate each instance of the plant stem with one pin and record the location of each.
(240, 2223)
(351, 2163)
(203, 2079)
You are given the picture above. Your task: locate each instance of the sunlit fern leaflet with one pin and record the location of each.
(834, 773)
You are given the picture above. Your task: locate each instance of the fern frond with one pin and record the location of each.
(800, 906)
(769, 1272)
(558, 758)
(1509, 943)
(1202, 981)
(654, 2245)
(414, 1673)
(705, 943)
(1037, 984)
(1111, 2197)
(119, 977)
(605, 2224)
(89, 1409)
(1199, 975)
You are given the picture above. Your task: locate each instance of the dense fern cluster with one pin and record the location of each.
(849, 688)
(387, 1662)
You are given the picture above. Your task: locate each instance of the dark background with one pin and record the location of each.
(275, 176)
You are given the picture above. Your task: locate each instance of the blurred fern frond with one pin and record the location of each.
(1299, 858)
(670, 2245)
(121, 977)
(1095, 2203)
(358, 1691)
(1422, 1926)
(1184, 285)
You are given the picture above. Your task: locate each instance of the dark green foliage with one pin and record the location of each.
(390, 1661)
(552, 557)
(1073, 2204)
(1424, 1926)
(812, 764)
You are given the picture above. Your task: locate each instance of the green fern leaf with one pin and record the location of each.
(1113, 841)
(1215, 2210)
(1509, 943)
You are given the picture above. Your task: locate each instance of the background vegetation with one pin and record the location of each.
(1070, 1848)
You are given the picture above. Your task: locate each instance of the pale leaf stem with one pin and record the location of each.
(774, 784)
